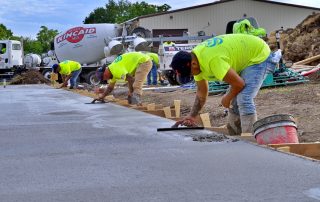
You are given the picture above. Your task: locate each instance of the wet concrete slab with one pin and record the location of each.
(53, 147)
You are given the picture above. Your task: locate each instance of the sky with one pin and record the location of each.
(25, 17)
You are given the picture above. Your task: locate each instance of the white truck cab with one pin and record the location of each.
(11, 54)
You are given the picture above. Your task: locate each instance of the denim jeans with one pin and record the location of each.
(154, 74)
(74, 77)
(253, 77)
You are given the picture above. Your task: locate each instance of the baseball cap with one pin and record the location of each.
(55, 68)
(180, 62)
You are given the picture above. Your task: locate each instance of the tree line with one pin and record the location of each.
(39, 45)
(113, 12)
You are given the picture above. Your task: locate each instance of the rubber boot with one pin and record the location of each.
(135, 99)
(234, 124)
(247, 122)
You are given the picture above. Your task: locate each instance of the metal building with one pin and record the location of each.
(212, 18)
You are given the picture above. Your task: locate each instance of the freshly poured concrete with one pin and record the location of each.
(53, 147)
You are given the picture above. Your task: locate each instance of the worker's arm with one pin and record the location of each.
(65, 80)
(130, 80)
(236, 85)
(107, 91)
(200, 100)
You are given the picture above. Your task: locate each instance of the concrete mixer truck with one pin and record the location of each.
(91, 44)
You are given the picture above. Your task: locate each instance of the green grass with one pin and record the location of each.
(2, 83)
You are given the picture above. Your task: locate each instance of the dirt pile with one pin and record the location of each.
(301, 42)
(29, 77)
(314, 77)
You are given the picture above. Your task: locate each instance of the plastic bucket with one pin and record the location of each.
(276, 129)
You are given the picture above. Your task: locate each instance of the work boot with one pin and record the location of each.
(129, 99)
(135, 99)
(247, 122)
(234, 124)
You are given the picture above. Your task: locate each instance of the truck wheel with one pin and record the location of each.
(171, 77)
(92, 79)
(141, 32)
(46, 74)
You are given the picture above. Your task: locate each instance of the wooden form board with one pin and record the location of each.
(53, 76)
(205, 118)
(157, 112)
(311, 150)
(151, 106)
(308, 60)
(177, 104)
(167, 112)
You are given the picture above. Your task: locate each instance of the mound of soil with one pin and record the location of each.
(301, 42)
(29, 77)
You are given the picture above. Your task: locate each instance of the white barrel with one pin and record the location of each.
(84, 43)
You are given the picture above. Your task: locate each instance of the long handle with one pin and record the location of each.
(181, 128)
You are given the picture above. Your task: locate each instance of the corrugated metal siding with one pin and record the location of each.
(213, 18)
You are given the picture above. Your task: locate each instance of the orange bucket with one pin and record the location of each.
(276, 129)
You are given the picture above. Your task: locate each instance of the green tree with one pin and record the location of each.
(17, 38)
(4, 32)
(45, 36)
(123, 10)
(32, 46)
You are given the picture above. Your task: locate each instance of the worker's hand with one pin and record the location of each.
(226, 101)
(63, 85)
(98, 90)
(100, 98)
(188, 121)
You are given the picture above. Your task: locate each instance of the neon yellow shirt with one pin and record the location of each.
(168, 43)
(126, 64)
(69, 66)
(154, 57)
(245, 27)
(237, 51)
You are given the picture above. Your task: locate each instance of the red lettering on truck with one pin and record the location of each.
(76, 34)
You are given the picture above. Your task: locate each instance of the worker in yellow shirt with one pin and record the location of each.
(132, 67)
(69, 70)
(240, 60)
(3, 50)
(169, 43)
(153, 72)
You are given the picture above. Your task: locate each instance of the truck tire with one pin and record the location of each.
(91, 78)
(141, 32)
(46, 73)
(174, 79)
(171, 77)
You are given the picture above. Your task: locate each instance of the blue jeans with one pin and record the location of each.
(154, 74)
(253, 77)
(74, 77)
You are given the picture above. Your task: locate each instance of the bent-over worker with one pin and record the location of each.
(132, 67)
(69, 70)
(154, 70)
(238, 59)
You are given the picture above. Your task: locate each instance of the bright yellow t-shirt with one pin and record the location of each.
(237, 51)
(68, 66)
(154, 57)
(126, 64)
